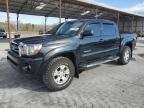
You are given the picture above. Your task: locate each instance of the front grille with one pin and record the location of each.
(14, 47)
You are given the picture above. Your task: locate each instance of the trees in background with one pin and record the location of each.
(29, 28)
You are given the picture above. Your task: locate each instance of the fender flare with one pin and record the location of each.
(60, 51)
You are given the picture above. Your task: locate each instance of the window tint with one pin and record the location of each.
(108, 29)
(69, 28)
(94, 28)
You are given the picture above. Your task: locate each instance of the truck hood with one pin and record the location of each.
(39, 39)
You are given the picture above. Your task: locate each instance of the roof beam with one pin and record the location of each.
(22, 6)
(71, 8)
(54, 9)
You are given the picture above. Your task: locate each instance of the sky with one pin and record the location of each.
(136, 6)
(121, 3)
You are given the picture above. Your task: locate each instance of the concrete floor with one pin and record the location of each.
(107, 86)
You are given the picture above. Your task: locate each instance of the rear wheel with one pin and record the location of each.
(125, 56)
(59, 74)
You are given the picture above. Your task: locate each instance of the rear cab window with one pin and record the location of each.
(108, 29)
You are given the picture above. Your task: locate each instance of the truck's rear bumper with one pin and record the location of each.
(29, 65)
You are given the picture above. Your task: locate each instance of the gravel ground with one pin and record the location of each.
(108, 86)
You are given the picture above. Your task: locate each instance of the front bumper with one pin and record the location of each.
(29, 65)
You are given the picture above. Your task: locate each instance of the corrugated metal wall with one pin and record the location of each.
(129, 26)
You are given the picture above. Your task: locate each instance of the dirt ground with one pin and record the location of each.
(108, 86)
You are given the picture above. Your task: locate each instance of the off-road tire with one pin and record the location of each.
(48, 74)
(122, 59)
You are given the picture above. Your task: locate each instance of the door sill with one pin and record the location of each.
(95, 63)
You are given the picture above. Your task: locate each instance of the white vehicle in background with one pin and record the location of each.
(3, 33)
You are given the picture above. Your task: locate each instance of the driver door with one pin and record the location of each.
(91, 46)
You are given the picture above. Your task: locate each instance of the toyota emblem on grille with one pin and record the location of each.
(21, 45)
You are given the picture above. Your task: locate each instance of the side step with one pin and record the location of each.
(89, 65)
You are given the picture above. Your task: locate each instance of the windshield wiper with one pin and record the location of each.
(62, 34)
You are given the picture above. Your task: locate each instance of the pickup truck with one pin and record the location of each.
(69, 48)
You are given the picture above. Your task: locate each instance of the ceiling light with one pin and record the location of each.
(84, 13)
(41, 6)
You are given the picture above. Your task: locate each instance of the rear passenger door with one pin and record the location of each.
(111, 39)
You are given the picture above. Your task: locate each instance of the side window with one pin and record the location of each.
(108, 29)
(95, 28)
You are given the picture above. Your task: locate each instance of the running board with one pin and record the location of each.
(89, 65)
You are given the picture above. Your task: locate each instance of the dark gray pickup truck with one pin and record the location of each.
(69, 48)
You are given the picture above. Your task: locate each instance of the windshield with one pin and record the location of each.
(68, 28)
(54, 29)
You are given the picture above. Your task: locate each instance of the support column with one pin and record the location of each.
(8, 22)
(123, 26)
(17, 23)
(60, 3)
(45, 24)
(118, 19)
(96, 12)
(142, 26)
(132, 26)
(136, 26)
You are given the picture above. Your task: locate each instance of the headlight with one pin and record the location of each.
(29, 49)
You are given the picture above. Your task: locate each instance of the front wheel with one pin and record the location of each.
(59, 73)
(125, 55)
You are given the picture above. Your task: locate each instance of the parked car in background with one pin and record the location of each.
(3, 33)
(67, 49)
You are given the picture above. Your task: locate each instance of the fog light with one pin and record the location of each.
(26, 68)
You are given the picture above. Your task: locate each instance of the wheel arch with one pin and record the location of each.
(130, 45)
(72, 55)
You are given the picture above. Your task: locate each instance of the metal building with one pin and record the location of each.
(74, 9)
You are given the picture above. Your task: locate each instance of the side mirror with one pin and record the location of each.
(87, 33)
